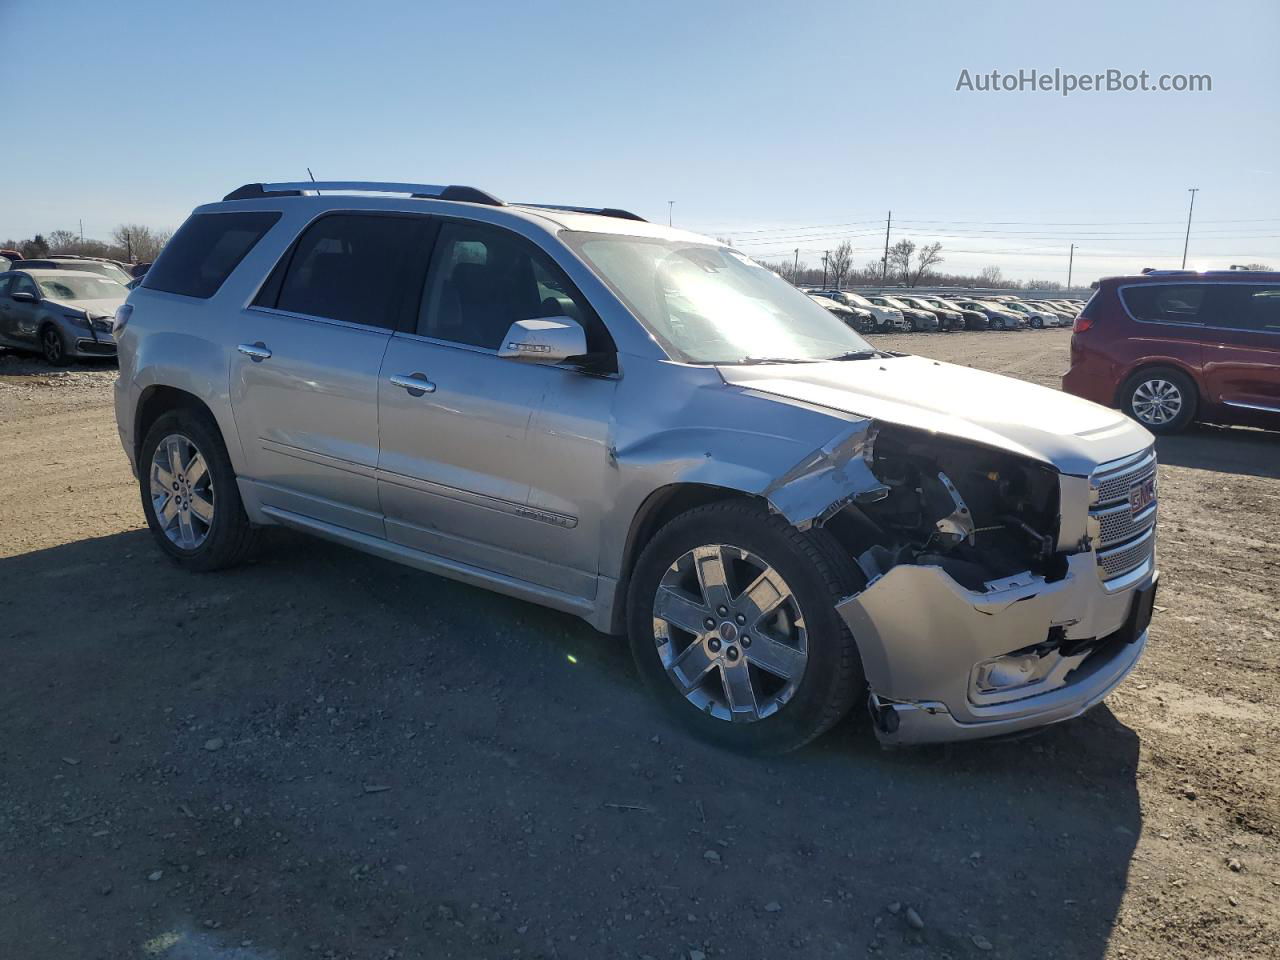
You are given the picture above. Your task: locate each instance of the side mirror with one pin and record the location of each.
(544, 340)
(22, 296)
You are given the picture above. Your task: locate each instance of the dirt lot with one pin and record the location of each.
(324, 755)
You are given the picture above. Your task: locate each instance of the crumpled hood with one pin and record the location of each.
(99, 308)
(1073, 435)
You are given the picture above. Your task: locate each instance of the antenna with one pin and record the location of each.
(311, 175)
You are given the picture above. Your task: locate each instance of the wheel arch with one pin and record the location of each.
(1150, 364)
(658, 509)
(159, 399)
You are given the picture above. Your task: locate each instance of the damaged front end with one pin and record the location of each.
(974, 621)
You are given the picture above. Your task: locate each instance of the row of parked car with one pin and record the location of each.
(884, 313)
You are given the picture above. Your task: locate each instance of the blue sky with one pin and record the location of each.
(777, 125)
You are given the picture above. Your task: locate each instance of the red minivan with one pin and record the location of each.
(1173, 346)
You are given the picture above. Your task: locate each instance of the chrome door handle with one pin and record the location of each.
(255, 351)
(416, 383)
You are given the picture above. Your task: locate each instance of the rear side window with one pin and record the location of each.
(1164, 302)
(205, 250)
(1249, 308)
(359, 268)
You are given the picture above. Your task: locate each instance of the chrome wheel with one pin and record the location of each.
(1157, 402)
(182, 491)
(730, 633)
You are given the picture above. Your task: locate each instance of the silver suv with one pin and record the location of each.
(647, 429)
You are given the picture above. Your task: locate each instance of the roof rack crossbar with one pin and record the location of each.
(600, 211)
(433, 191)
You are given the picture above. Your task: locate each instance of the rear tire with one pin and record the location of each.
(1162, 399)
(199, 521)
(693, 673)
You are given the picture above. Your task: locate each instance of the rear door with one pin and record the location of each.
(490, 461)
(1242, 348)
(304, 377)
(1169, 327)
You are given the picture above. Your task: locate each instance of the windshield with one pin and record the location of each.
(859, 300)
(81, 288)
(990, 305)
(890, 301)
(710, 304)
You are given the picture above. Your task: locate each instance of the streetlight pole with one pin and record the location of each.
(1070, 262)
(1186, 243)
(670, 204)
(884, 264)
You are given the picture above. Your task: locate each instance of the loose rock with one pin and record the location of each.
(213, 743)
(914, 920)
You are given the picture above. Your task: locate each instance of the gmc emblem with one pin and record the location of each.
(1142, 495)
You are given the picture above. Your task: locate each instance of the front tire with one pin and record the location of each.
(732, 622)
(189, 493)
(1161, 399)
(52, 347)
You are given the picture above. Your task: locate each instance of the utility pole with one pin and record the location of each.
(670, 204)
(884, 264)
(824, 269)
(795, 271)
(1070, 262)
(1186, 243)
(82, 230)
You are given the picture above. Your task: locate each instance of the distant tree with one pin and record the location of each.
(991, 277)
(139, 243)
(926, 257)
(35, 248)
(1042, 285)
(1257, 266)
(62, 241)
(839, 262)
(900, 260)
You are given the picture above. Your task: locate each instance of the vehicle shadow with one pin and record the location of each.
(325, 748)
(1239, 450)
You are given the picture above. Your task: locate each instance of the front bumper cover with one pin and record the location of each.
(921, 635)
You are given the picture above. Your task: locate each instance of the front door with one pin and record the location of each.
(304, 376)
(493, 462)
(18, 318)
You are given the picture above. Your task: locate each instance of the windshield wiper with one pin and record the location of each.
(744, 361)
(857, 355)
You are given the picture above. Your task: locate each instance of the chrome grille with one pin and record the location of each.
(1122, 559)
(1123, 541)
(1117, 524)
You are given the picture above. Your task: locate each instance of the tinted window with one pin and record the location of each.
(355, 267)
(483, 279)
(4, 284)
(1166, 302)
(205, 250)
(1249, 308)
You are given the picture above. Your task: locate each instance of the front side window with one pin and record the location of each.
(24, 284)
(1164, 302)
(204, 251)
(359, 268)
(483, 279)
(710, 304)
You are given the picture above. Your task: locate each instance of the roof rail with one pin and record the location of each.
(423, 191)
(600, 211)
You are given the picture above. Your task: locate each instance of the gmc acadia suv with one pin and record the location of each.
(649, 430)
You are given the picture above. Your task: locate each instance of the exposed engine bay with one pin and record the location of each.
(979, 514)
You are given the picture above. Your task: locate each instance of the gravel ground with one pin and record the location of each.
(325, 755)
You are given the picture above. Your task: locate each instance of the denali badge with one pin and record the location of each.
(1142, 495)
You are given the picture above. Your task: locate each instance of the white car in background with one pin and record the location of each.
(1037, 317)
